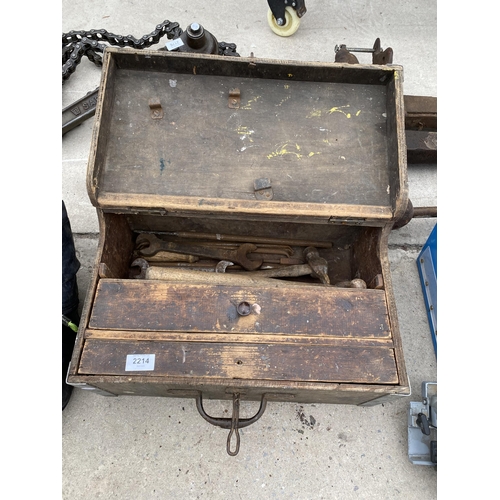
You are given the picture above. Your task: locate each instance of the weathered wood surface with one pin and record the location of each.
(250, 390)
(306, 137)
(306, 127)
(182, 173)
(192, 206)
(372, 365)
(161, 306)
(236, 337)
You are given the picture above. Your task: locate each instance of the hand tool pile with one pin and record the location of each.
(232, 260)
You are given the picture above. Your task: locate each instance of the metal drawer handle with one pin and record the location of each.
(234, 423)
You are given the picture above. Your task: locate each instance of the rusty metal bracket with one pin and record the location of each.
(235, 422)
(263, 189)
(156, 109)
(234, 98)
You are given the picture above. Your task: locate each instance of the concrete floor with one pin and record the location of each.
(145, 448)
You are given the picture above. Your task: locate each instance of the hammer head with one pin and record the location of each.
(319, 266)
(143, 265)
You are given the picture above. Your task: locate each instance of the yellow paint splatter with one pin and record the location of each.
(286, 149)
(314, 113)
(290, 75)
(339, 109)
(283, 100)
(286, 86)
(248, 105)
(244, 130)
(336, 109)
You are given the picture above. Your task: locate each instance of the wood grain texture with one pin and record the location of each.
(160, 306)
(250, 390)
(230, 338)
(284, 131)
(305, 126)
(369, 365)
(331, 139)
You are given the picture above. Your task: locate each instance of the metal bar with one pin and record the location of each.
(82, 109)
(424, 212)
(420, 112)
(421, 146)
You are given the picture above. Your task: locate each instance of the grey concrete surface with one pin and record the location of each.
(145, 448)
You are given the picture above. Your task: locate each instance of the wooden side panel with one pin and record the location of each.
(250, 390)
(371, 365)
(162, 306)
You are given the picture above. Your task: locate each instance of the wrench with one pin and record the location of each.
(149, 244)
(144, 265)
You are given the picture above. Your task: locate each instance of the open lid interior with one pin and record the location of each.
(205, 133)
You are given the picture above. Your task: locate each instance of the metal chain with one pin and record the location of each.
(76, 44)
(228, 49)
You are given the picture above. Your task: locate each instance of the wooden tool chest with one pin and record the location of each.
(252, 157)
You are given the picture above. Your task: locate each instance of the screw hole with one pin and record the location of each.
(239, 362)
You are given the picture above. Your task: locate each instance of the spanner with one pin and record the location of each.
(149, 244)
(144, 264)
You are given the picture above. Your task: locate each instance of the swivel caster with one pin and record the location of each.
(284, 16)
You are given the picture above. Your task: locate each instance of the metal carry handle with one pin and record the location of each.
(234, 423)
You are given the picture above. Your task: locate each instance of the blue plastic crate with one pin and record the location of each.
(427, 269)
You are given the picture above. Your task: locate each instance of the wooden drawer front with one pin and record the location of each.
(172, 307)
(369, 365)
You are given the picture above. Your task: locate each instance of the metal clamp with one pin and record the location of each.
(234, 423)
(379, 56)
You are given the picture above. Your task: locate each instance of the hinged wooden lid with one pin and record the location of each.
(187, 133)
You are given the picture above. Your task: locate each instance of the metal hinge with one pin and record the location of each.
(351, 221)
(136, 211)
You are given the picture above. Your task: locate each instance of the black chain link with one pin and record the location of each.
(77, 44)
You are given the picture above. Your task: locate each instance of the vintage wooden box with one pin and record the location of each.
(222, 152)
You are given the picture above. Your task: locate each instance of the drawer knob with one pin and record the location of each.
(244, 308)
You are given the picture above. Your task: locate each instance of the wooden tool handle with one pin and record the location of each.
(234, 279)
(283, 272)
(163, 256)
